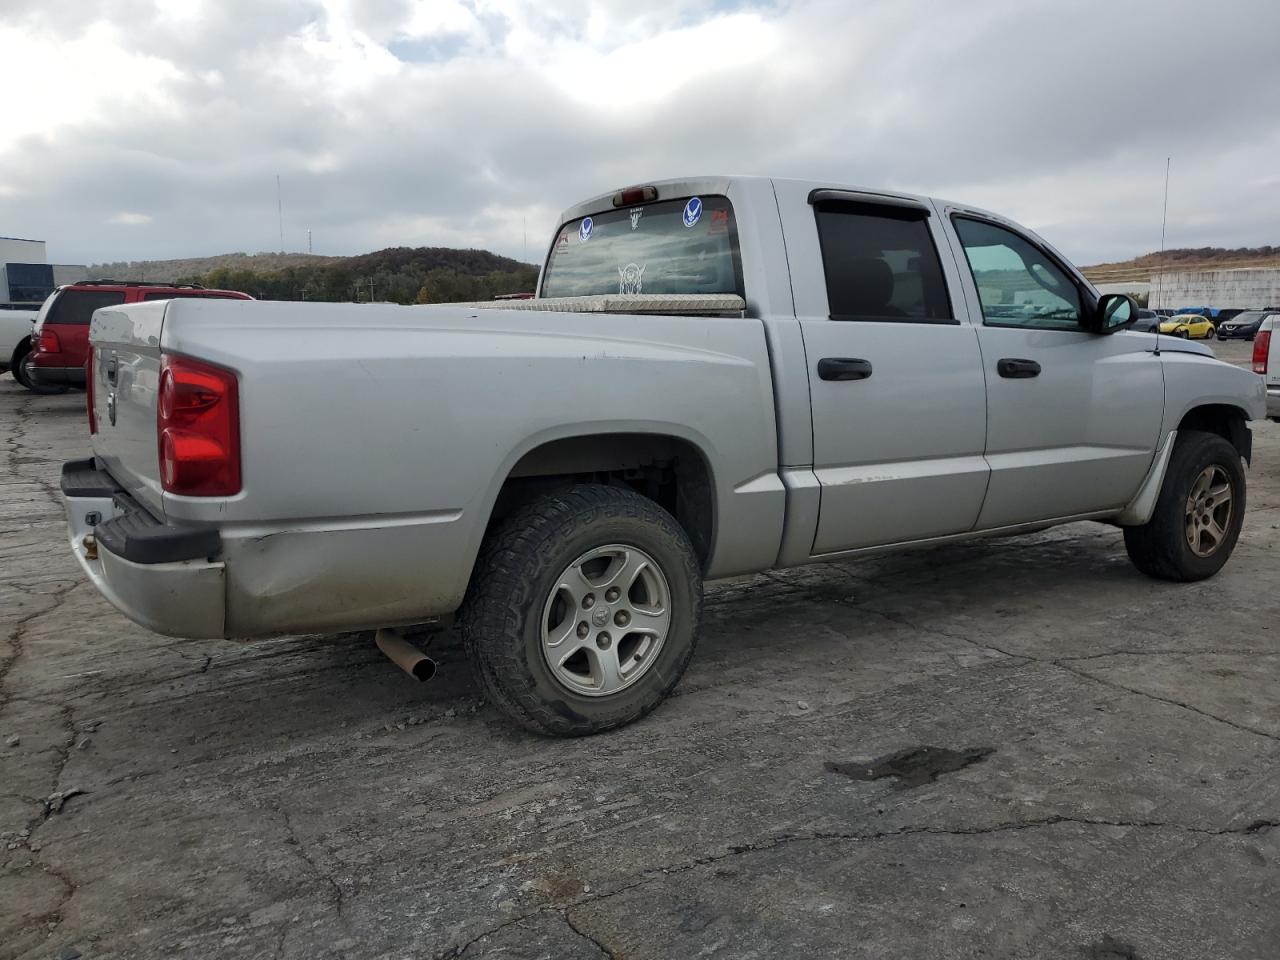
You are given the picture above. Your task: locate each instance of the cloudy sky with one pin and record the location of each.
(139, 129)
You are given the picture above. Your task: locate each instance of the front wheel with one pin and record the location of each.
(583, 610)
(1198, 515)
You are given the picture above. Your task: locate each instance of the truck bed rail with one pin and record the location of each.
(700, 304)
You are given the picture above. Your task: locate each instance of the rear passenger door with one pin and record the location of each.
(895, 376)
(1073, 417)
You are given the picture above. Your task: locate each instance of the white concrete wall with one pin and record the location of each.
(1133, 288)
(1243, 288)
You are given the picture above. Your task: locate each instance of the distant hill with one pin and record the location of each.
(397, 274)
(170, 270)
(1143, 268)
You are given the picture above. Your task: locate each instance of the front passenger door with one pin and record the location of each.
(1073, 418)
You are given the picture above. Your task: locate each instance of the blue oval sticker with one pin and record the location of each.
(584, 231)
(692, 211)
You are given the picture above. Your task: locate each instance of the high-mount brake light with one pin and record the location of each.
(198, 429)
(1261, 348)
(634, 195)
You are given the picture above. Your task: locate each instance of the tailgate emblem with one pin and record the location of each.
(111, 407)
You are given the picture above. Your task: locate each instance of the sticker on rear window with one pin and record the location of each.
(584, 231)
(692, 211)
(631, 278)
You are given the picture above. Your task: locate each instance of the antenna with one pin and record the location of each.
(1164, 222)
(280, 212)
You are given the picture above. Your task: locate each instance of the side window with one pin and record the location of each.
(1018, 285)
(881, 264)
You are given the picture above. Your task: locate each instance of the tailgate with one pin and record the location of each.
(126, 375)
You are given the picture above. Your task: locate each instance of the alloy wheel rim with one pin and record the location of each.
(1209, 508)
(606, 620)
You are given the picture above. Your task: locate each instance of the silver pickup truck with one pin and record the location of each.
(717, 376)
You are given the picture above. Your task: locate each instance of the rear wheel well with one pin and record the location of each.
(23, 346)
(669, 471)
(1226, 421)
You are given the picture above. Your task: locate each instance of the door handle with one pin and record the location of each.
(1017, 369)
(843, 368)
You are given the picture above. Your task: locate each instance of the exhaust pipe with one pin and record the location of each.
(405, 655)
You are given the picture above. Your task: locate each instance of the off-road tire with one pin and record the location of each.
(1159, 548)
(518, 565)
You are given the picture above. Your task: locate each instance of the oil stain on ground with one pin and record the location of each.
(914, 767)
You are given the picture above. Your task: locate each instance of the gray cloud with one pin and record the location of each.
(459, 121)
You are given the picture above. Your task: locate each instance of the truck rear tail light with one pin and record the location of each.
(198, 429)
(1261, 346)
(88, 391)
(48, 342)
(634, 195)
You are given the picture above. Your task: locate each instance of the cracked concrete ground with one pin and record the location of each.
(303, 798)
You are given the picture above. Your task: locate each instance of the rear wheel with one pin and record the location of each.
(1198, 515)
(22, 373)
(583, 610)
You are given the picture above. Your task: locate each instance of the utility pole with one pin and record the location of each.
(371, 289)
(308, 240)
(280, 212)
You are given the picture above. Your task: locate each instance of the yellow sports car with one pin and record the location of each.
(1188, 326)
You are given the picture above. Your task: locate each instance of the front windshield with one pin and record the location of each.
(680, 246)
(1249, 316)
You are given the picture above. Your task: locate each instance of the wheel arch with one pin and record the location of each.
(23, 346)
(1226, 420)
(660, 462)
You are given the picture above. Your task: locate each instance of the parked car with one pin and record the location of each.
(1266, 361)
(61, 337)
(1188, 326)
(1244, 326)
(15, 339)
(717, 376)
(1146, 322)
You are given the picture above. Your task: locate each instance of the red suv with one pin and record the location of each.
(60, 340)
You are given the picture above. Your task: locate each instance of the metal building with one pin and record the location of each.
(27, 277)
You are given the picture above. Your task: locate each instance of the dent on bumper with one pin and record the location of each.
(182, 599)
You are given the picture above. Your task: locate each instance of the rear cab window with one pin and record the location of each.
(881, 263)
(682, 246)
(76, 306)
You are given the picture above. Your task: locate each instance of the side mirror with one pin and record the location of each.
(1115, 311)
